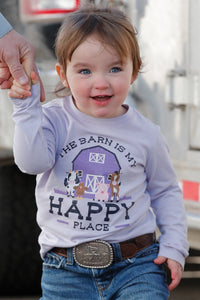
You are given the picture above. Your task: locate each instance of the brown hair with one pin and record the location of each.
(111, 25)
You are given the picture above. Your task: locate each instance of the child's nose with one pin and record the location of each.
(101, 82)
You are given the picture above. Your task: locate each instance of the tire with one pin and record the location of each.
(20, 267)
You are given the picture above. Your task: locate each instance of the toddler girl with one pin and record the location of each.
(104, 177)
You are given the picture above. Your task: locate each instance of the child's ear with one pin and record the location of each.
(133, 77)
(62, 75)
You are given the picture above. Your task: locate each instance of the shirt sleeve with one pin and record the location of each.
(5, 26)
(34, 137)
(167, 203)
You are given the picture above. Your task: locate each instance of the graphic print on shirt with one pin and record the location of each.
(71, 182)
(92, 195)
(95, 174)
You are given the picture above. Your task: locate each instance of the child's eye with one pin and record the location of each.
(85, 71)
(115, 69)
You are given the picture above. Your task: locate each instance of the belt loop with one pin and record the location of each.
(117, 252)
(70, 258)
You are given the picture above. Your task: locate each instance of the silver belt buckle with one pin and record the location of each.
(94, 254)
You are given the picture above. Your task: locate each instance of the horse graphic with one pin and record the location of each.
(114, 185)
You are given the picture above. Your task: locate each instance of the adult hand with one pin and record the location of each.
(175, 269)
(17, 61)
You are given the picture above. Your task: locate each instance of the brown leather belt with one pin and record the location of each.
(100, 254)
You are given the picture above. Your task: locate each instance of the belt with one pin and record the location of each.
(100, 254)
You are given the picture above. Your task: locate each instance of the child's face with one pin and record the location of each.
(98, 80)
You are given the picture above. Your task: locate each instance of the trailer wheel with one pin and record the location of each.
(20, 267)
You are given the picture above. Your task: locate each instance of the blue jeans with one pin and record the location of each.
(137, 278)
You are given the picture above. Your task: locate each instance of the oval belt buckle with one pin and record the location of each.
(94, 254)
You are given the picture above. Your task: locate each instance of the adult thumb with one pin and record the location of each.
(17, 71)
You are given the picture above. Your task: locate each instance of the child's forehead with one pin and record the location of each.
(95, 41)
(96, 44)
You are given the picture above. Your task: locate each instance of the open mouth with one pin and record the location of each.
(102, 98)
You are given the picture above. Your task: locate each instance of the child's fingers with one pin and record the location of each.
(13, 94)
(175, 279)
(18, 92)
(23, 91)
(17, 84)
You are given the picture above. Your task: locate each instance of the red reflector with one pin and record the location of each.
(191, 190)
(33, 10)
(51, 11)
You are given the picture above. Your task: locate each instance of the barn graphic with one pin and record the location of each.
(95, 166)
